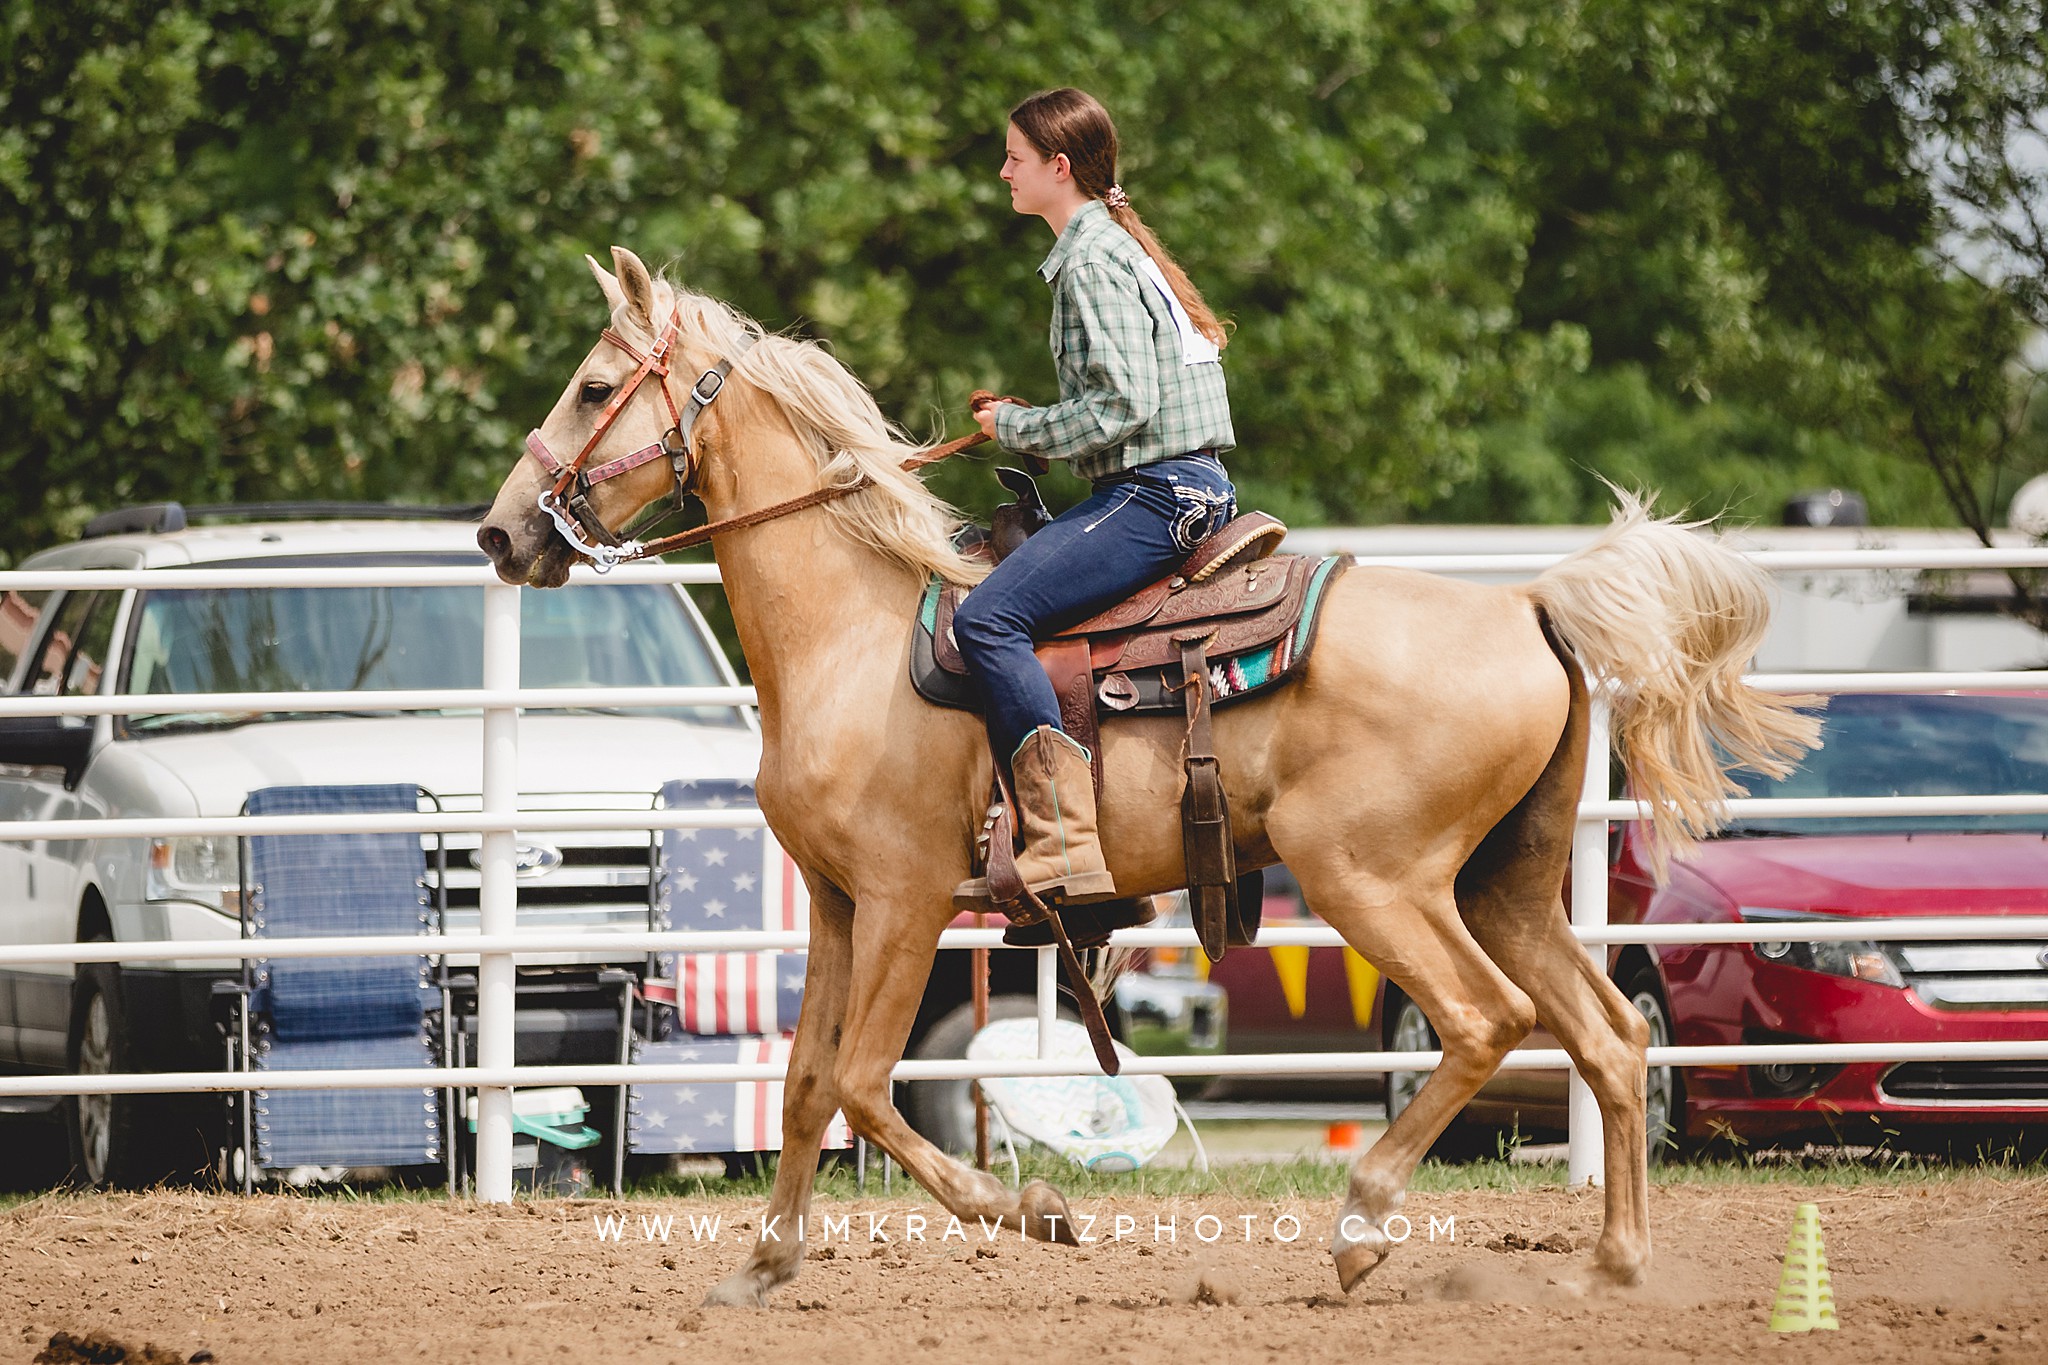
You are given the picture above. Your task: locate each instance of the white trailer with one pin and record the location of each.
(1825, 621)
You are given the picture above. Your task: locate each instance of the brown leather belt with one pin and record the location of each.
(1124, 475)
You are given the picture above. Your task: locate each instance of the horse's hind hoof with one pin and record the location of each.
(1045, 1214)
(736, 1291)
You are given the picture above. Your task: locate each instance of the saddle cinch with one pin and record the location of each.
(1234, 620)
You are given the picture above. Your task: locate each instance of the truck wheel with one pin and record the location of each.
(113, 1139)
(943, 1111)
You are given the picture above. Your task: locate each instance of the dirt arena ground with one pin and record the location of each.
(1955, 1270)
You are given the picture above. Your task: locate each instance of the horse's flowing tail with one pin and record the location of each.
(1667, 619)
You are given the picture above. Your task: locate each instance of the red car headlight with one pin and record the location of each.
(1859, 959)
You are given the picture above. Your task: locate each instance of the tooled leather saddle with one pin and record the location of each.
(1232, 621)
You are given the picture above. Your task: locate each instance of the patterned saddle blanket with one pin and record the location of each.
(1260, 617)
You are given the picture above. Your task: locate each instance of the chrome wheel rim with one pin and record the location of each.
(96, 1112)
(1411, 1034)
(1659, 1097)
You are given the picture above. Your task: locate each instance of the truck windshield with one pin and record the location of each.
(369, 639)
(1916, 745)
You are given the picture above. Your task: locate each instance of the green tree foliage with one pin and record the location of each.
(1745, 201)
(298, 248)
(302, 249)
(1730, 458)
(1476, 253)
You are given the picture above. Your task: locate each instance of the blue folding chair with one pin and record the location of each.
(309, 1014)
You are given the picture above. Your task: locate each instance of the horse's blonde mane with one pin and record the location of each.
(838, 420)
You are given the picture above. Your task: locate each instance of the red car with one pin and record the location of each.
(1987, 987)
(1762, 870)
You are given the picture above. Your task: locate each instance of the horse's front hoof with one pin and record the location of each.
(1358, 1259)
(1618, 1268)
(737, 1291)
(1045, 1214)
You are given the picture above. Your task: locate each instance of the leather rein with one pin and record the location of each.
(567, 501)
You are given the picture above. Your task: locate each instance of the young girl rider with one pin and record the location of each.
(1143, 415)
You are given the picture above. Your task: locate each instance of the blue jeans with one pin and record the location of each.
(1135, 528)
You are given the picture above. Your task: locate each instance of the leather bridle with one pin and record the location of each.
(567, 500)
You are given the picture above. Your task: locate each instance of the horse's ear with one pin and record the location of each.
(614, 297)
(636, 281)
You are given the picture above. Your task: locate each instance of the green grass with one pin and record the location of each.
(1298, 1178)
(1308, 1178)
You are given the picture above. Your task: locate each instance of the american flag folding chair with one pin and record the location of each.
(726, 1007)
(295, 1014)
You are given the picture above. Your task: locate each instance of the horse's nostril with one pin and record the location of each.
(494, 542)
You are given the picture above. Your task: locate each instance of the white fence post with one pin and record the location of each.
(1585, 1162)
(497, 899)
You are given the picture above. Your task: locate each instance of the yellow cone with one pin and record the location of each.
(1806, 1302)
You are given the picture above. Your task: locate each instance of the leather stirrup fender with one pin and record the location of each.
(1068, 667)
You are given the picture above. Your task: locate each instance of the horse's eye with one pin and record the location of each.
(596, 391)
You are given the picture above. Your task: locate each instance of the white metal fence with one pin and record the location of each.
(500, 698)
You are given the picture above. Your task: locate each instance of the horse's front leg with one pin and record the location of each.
(809, 1101)
(892, 960)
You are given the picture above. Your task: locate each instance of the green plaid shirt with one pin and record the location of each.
(1126, 397)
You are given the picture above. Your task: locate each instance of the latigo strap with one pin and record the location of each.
(1206, 842)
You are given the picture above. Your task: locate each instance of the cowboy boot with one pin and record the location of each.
(1054, 781)
(1055, 785)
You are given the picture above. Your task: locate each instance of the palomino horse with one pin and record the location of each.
(1419, 778)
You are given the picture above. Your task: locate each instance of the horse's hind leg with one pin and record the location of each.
(1522, 926)
(1509, 895)
(1421, 944)
(808, 1103)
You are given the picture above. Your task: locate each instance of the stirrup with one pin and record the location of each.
(972, 896)
(1079, 889)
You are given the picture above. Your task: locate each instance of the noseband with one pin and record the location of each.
(567, 501)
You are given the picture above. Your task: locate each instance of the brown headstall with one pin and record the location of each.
(577, 520)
